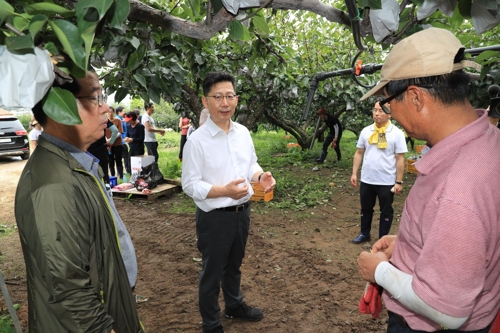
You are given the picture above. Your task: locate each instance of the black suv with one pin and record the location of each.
(13, 138)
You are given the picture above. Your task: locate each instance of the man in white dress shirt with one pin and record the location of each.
(219, 162)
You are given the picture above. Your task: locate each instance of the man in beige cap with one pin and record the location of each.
(442, 270)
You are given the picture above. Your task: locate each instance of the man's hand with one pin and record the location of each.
(354, 180)
(162, 132)
(267, 181)
(368, 262)
(386, 245)
(128, 140)
(237, 189)
(398, 188)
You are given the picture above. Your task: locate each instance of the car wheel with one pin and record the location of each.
(25, 156)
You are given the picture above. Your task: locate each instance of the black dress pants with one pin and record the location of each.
(222, 238)
(398, 325)
(368, 195)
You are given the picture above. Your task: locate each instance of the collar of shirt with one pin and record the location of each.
(449, 145)
(214, 129)
(87, 160)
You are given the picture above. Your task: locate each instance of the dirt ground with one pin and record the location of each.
(300, 267)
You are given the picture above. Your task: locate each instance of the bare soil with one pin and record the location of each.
(300, 266)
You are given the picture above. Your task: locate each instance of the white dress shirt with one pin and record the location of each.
(212, 157)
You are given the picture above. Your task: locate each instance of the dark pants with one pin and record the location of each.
(116, 158)
(222, 238)
(152, 149)
(102, 155)
(183, 142)
(329, 140)
(138, 151)
(126, 159)
(398, 325)
(368, 195)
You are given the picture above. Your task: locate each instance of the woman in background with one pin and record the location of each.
(184, 124)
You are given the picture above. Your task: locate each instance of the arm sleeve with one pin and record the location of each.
(336, 128)
(192, 172)
(114, 133)
(64, 259)
(399, 285)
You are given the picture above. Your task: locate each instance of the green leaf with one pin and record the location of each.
(61, 106)
(36, 24)
(373, 4)
(158, 82)
(6, 10)
(120, 94)
(135, 42)
(235, 30)
(464, 6)
(154, 93)
(49, 9)
(144, 95)
(456, 20)
(20, 44)
(139, 78)
(21, 23)
(486, 55)
(195, 7)
(121, 10)
(52, 48)
(260, 24)
(136, 58)
(68, 35)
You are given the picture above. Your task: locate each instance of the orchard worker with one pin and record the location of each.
(150, 130)
(334, 136)
(441, 273)
(382, 148)
(218, 165)
(80, 261)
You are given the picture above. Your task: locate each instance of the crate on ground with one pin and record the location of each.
(418, 148)
(410, 168)
(292, 144)
(258, 193)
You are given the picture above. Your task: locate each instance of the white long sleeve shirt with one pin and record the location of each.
(212, 157)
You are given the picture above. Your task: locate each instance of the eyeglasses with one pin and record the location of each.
(220, 98)
(100, 98)
(390, 98)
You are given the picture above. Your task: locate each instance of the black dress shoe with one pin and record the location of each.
(245, 312)
(360, 239)
(218, 329)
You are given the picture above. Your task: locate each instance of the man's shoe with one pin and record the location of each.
(245, 312)
(218, 329)
(360, 239)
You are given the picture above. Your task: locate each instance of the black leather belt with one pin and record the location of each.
(237, 208)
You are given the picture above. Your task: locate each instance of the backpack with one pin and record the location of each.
(149, 177)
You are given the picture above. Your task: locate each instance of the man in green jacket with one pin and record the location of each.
(80, 261)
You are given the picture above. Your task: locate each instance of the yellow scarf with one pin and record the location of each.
(378, 136)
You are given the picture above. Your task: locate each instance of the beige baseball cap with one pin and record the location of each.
(429, 52)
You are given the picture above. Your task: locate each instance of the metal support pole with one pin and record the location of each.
(314, 136)
(12, 311)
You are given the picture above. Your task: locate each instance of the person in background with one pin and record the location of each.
(219, 162)
(135, 134)
(381, 148)
(116, 149)
(80, 260)
(35, 132)
(441, 272)
(184, 124)
(204, 115)
(150, 131)
(120, 112)
(334, 136)
(100, 148)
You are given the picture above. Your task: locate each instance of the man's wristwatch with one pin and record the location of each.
(399, 183)
(258, 179)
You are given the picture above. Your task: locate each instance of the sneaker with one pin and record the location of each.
(218, 329)
(245, 312)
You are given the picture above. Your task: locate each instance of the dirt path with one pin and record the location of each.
(300, 266)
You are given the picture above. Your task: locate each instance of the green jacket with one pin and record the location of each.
(77, 281)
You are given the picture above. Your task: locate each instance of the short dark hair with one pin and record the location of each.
(448, 88)
(148, 105)
(119, 109)
(216, 77)
(132, 115)
(137, 112)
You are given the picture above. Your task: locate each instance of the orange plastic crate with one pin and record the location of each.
(410, 168)
(258, 193)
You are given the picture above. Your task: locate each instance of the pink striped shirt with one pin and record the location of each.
(449, 236)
